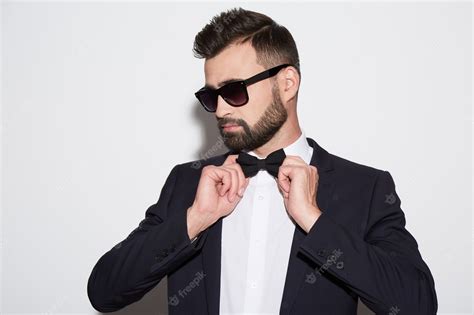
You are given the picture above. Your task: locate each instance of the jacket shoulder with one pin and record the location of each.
(350, 168)
(197, 165)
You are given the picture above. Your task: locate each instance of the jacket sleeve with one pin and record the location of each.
(159, 245)
(384, 268)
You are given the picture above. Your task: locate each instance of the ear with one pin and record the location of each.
(289, 82)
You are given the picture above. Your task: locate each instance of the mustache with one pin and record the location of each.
(222, 122)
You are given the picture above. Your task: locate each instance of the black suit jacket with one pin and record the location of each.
(358, 247)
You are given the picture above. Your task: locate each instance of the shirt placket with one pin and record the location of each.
(256, 254)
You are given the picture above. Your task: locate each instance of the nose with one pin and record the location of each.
(223, 108)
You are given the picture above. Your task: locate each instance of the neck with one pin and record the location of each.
(288, 133)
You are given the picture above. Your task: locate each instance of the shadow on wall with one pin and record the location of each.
(155, 302)
(211, 139)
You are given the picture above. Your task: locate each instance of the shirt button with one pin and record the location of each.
(260, 197)
(253, 285)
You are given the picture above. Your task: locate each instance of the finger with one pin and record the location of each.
(283, 192)
(284, 177)
(230, 159)
(284, 185)
(280, 189)
(243, 182)
(247, 181)
(226, 181)
(315, 169)
(234, 186)
(231, 163)
(238, 197)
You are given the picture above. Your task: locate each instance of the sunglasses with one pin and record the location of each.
(234, 93)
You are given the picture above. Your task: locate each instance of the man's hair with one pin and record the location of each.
(272, 42)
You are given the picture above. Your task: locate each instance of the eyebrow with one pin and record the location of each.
(222, 83)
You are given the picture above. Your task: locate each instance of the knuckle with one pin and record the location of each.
(206, 169)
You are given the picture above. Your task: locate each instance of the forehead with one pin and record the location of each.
(235, 62)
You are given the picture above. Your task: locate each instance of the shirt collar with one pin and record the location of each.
(299, 148)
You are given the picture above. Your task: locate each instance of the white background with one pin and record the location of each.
(98, 106)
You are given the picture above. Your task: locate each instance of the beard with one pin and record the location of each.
(265, 128)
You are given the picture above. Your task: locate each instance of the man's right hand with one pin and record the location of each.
(219, 190)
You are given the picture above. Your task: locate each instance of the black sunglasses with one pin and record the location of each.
(234, 93)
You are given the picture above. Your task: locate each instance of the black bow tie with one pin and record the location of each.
(251, 165)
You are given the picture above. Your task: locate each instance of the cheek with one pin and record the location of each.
(259, 100)
(252, 113)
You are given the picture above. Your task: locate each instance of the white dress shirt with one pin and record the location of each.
(256, 243)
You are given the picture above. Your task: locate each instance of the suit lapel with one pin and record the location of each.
(211, 251)
(297, 268)
(211, 259)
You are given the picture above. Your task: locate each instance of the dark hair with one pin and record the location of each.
(272, 42)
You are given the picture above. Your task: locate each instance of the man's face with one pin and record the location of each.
(256, 122)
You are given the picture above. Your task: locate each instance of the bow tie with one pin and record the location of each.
(251, 165)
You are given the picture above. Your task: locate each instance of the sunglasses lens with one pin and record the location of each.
(235, 93)
(208, 99)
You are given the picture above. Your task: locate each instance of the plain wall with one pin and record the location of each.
(98, 105)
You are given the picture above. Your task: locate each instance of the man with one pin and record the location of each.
(275, 225)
